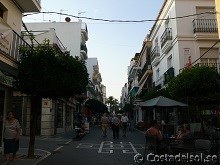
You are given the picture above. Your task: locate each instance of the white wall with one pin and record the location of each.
(13, 15)
(68, 32)
(182, 34)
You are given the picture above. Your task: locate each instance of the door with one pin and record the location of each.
(2, 98)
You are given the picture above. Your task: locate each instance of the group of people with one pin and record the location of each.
(182, 135)
(114, 123)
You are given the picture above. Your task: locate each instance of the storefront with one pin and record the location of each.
(6, 91)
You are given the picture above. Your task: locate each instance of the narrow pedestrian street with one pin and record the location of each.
(93, 149)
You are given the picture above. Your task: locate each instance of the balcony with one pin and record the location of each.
(166, 40)
(155, 56)
(9, 49)
(169, 74)
(133, 91)
(84, 31)
(205, 28)
(29, 5)
(212, 65)
(134, 71)
(146, 70)
(83, 52)
(41, 35)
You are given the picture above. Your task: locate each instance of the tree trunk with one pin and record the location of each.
(35, 107)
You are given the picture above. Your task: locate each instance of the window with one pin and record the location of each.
(169, 62)
(1, 13)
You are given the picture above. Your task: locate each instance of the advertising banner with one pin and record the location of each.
(5, 36)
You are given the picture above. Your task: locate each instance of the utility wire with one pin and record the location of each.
(108, 20)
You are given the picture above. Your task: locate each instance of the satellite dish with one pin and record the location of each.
(67, 19)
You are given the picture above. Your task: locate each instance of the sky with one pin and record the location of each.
(114, 44)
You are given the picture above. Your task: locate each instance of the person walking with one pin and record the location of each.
(115, 126)
(104, 124)
(124, 120)
(11, 136)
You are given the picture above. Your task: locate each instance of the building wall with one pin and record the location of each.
(47, 117)
(13, 16)
(68, 32)
(217, 6)
(183, 42)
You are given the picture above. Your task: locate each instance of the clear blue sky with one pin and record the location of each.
(114, 44)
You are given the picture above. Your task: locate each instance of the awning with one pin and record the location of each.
(162, 101)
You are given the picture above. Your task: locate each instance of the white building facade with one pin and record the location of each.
(178, 42)
(10, 40)
(96, 89)
(73, 35)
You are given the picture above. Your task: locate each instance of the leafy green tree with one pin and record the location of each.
(195, 84)
(46, 72)
(113, 104)
(128, 107)
(96, 106)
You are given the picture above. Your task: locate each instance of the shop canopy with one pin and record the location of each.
(162, 101)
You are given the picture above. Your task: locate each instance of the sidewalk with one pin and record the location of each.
(22, 159)
(21, 156)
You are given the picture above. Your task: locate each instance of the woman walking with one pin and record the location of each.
(11, 136)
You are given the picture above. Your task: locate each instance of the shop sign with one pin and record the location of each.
(5, 36)
(211, 112)
(7, 80)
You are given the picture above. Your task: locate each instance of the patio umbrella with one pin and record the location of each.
(162, 102)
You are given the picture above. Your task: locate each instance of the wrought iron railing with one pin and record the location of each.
(212, 65)
(167, 35)
(155, 53)
(205, 25)
(17, 41)
(83, 47)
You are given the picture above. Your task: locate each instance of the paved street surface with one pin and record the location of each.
(93, 149)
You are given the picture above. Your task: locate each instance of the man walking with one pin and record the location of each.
(104, 124)
(115, 126)
(124, 120)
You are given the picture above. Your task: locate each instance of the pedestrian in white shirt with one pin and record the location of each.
(124, 120)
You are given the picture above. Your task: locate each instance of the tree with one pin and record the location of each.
(195, 84)
(96, 106)
(113, 104)
(155, 93)
(46, 72)
(128, 107)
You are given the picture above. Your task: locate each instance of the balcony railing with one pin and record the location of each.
(212, 65)
(167, 35)
(205, 25)
(16, 42)
(169, 74)
(83, 47)
(155, 53)
(146, 67)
